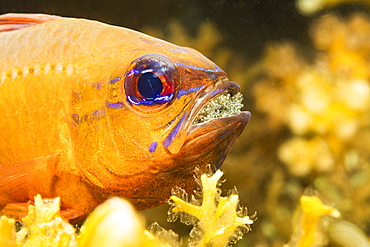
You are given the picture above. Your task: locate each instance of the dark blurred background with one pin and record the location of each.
(245, 25)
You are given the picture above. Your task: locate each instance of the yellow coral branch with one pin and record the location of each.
(218, 223)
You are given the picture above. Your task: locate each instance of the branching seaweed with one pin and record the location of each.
(217, 220)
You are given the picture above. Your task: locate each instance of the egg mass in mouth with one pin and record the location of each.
(223, 105)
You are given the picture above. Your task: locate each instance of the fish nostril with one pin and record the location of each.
(213, 75)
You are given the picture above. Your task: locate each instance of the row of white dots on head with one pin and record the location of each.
(36, 70)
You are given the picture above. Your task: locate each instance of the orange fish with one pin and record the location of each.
(89, 110)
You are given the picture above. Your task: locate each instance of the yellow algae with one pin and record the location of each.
(46, 227)
(219, 220)
(42, 227)
(7, 232)
(167, 237)
(281, 64)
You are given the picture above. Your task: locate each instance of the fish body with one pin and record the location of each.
(89, 110)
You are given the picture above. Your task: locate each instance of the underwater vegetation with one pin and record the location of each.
(324, 104)
(318, 108)
(310, 125)
(217, 220)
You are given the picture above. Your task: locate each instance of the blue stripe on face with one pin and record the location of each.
(215, 92)
(117, 105)
(218, 69)
(152, 147)
(99, 85)
(188, 91)
(114, 80)
(169, 139)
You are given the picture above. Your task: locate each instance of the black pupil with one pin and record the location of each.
(149, 85)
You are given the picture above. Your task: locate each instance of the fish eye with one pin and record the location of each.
(150, 81)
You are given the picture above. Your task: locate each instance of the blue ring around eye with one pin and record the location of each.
(157, 101)
(150, 81)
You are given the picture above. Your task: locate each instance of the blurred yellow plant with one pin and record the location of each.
(310, 230)
(325, 104)
(302, 155)
(116, 223)
(308, 7)
(318, 224)
(312, 114)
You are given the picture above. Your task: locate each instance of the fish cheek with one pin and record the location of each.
(133, 139)
(156, 189)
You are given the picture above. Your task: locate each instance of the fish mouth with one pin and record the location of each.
(222, 100)
(217, 120)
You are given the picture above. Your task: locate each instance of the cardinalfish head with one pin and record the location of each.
(167, 110)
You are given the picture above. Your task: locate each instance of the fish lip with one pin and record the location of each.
(204, 138)
(209, 134)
